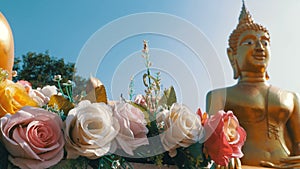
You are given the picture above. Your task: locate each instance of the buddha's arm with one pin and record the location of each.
(293, 125)
(215, 101)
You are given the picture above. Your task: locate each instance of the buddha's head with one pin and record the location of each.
(249, 46)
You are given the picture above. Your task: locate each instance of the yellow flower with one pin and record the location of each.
(13, 97)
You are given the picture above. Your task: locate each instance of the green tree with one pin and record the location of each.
(17, 64)
(40, 68)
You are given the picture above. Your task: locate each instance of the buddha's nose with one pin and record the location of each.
(259, 46)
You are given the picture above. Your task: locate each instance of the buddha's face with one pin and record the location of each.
(253, 51)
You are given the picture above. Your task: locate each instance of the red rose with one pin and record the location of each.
(225, 137)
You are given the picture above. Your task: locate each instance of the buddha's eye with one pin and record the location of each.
(265, 42)
(248, 42)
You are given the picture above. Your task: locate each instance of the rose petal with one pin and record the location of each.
(36, 164)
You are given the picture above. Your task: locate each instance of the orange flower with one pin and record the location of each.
(203, 116)
(13, 97)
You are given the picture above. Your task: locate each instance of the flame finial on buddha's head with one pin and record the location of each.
(246, 22)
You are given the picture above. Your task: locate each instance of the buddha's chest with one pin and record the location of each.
(252, 105)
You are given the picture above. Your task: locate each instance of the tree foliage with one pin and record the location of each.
(40, 68)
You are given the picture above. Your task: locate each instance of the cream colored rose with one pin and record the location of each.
(90, 130)
(182, 128)
(48, 90)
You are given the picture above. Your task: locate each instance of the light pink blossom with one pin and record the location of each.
(42, 95)
(133, 130)
(140, 100)
(33, 138)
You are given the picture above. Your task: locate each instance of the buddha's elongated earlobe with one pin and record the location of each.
(234, 64)
(267, 76)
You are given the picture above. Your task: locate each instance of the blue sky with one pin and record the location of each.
(67, 28)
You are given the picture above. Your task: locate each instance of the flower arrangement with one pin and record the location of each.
(49, 128)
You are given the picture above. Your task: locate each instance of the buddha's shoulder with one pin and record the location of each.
(284, 92)
(221, 91)
(235, 88)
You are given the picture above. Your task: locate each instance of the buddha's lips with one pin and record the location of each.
(259, 57)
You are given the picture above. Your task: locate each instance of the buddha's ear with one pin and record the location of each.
(233, 62)
(267, 76)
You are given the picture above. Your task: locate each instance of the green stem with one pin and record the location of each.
(150, 86)
(149, 79)
(69, 93)
(59, 86)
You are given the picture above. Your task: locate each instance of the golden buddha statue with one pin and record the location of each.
(270, 115)
(6, 46)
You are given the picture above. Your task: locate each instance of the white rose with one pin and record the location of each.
(182, 128)
(90, 130)
(161, 115)
(48, 90)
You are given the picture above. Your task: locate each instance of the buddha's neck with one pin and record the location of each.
(253, 77)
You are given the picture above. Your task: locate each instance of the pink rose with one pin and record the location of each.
(38, 97)
(226, 137)
(33, 138)
(140, 100)
(133, 130)
(42, 95)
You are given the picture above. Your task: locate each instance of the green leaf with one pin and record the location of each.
(145, 80)
(78, 163)
(3, 156)
(143, 109)
(191, 157)
(156, 82)
(168, 98)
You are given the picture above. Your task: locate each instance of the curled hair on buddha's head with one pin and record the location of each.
(245, 23)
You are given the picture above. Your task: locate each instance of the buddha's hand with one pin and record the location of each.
(291, 159)
(234, 163)
(285, 163)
